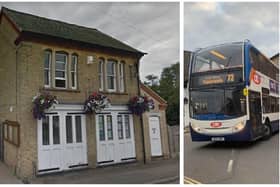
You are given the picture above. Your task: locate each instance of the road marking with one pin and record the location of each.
(188, 180)
(229, 167)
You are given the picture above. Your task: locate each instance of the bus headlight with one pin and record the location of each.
(195, 127)
(240, 126)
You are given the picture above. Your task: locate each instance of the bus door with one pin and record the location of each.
(255, 113)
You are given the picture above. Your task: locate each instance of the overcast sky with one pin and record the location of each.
(150, 27)
(215, 23)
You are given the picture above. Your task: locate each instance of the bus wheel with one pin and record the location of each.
(267, 131)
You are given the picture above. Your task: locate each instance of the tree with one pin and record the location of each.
(152, 82)
(168, 88)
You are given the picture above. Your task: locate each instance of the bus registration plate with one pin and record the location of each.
(218, 139)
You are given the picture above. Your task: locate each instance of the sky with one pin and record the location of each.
(207, 24)
(149, 27)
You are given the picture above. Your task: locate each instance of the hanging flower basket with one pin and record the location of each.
(96, 102)
(42, 102)
(140, 104)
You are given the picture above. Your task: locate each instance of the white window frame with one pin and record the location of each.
(74, 71)
(121, 77)
(113, 75)
(101, 73)
(65, 71)
(48, 69)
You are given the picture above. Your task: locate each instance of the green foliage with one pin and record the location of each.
(168, 88)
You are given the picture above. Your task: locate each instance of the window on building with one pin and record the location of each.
(101, 127)
(69, 130)
(73, 72)
(47, 69)
(127, 126)
(100, 73)
(12, 132)
(45, 131)
(121, 76)
(109, 127)
(78, 123)
(120, 127)
(111, 75)
(60, 70)
(56, 135)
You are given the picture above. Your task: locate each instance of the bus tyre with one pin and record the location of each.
(267, 131)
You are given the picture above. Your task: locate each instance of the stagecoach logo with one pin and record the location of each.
(255, 77)
(215, 124)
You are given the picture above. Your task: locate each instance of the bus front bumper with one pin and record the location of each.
(244, 135)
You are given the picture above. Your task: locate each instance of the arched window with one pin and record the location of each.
(47, 68)
(101, 74)
(73, 72)
(121, 76)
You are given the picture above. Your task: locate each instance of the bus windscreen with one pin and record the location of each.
(217, 58)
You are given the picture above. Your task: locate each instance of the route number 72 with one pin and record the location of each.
(230, 77)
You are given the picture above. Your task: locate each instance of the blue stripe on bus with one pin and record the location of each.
(247, 63)
(213, 117)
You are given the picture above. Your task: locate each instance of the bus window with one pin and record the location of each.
(265, 100)
(277, 104)
(273, 104)
(217, 58)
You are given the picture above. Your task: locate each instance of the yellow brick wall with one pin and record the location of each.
(8, 108)
(29, 79)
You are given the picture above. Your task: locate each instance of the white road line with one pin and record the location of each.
(230, 164)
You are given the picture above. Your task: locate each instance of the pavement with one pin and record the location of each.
(232, 163)
(156, 172)
(6, 175)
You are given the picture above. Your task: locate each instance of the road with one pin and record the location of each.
(232, 163)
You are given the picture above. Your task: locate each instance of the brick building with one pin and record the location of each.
(70, 62)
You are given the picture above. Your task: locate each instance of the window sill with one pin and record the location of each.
(114, 93)
(61, 90)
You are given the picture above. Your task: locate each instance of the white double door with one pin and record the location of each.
(61, 142)
(115, 138)
(155, 136)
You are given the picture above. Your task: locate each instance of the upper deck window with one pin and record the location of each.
(217, 58)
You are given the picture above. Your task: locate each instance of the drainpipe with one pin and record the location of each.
(141, 116)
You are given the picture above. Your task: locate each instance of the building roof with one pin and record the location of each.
(153, 94)
(58, 29)
(274, 56)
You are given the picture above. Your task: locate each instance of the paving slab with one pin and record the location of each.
(7, 176)
(156, 172)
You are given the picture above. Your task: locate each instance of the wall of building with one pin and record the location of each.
(159, 111)
(8, 102)
(29, 78)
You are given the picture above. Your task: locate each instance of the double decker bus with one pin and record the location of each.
(233, 94)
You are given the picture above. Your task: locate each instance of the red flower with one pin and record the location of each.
(94, 94)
